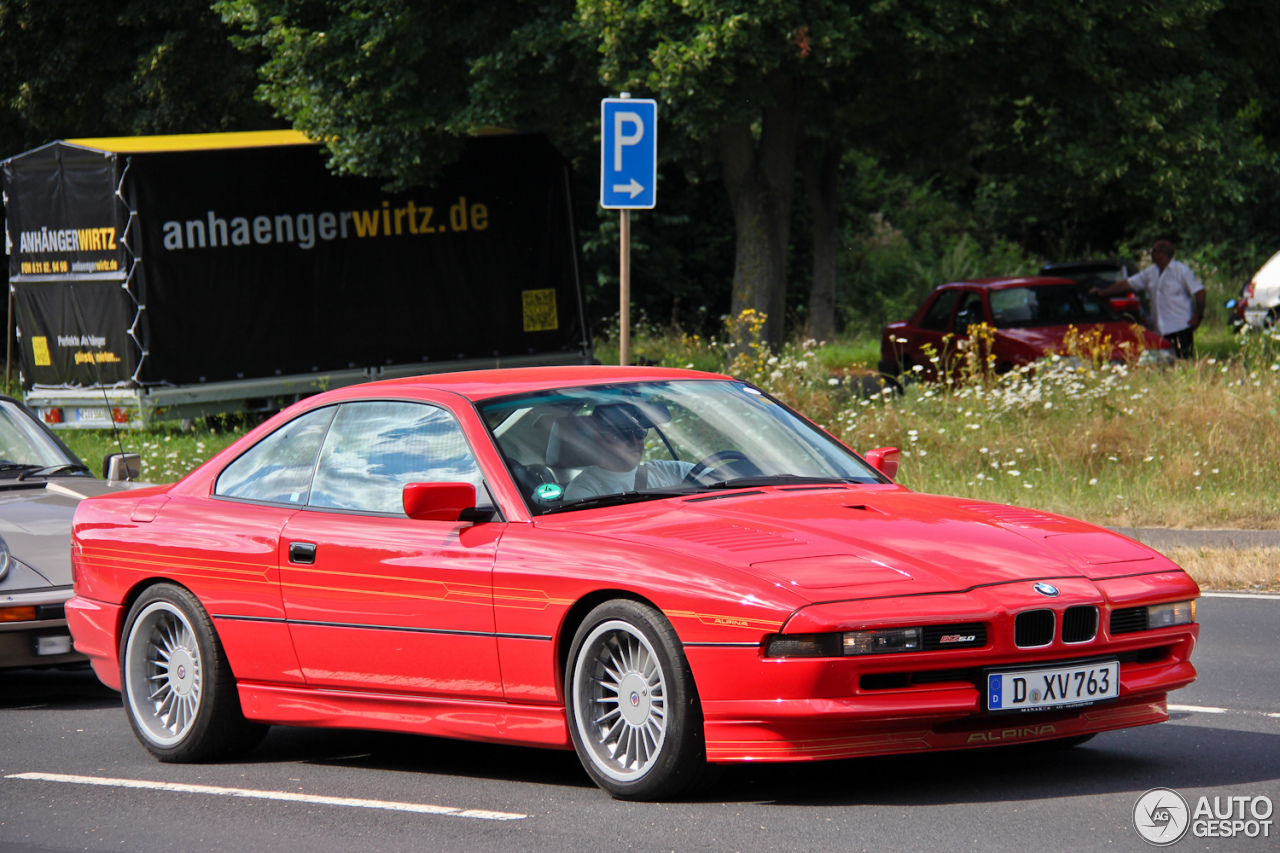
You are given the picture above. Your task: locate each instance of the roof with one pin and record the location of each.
(487, 384)
(193, 141)
(1111, 263)
(1016, 281)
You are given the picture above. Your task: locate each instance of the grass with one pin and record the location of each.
(1195, 445)
(168, 452)
(1244, 569)
(1192, 446)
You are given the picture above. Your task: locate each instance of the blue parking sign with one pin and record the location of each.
(628, 153)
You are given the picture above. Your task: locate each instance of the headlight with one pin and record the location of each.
(885, 641)
(5, 558)
(1164, 615)
(882, 642)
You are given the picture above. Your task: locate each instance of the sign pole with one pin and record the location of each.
(628, 181)
(624, 283)
(624, 288)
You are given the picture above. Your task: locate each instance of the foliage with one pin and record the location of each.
(711, 63)
(901, 239)
(393, 86)
(83, 68)
(681, 254)
(1072, 123)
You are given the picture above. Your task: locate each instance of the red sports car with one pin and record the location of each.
(1031, 318)
(657, 568)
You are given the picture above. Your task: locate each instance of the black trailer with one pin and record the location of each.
(178, 276)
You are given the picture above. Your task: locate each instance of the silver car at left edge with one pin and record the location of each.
(41, 482)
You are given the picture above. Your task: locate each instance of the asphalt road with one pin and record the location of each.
(1224, 740)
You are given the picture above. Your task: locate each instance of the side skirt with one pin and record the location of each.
(493, 722)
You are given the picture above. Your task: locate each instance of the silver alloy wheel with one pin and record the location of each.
(164, 673)
(619, 695)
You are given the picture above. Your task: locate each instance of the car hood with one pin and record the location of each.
(865, 542)
(35, 521)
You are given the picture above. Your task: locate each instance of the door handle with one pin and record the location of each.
(302, 552)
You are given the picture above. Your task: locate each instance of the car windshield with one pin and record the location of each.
(1047, 305)
(25, 446)
(575, 448)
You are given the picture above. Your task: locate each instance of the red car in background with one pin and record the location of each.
(1100, 274)
(1031, 318)
(469, 555)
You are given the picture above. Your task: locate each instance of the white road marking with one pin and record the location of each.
(1198, 709)
(421, 808)
(1266, 596)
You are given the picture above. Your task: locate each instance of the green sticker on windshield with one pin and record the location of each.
(548, 492)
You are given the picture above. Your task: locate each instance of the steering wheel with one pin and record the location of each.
(715, 461)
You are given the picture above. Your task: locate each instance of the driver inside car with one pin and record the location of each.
(620, 431)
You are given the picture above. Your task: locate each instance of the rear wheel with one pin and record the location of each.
(633, 709)
(179, 692)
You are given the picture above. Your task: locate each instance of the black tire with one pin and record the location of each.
(661, 728)
(193, 713)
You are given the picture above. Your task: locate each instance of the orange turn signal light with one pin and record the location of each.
(17, 614)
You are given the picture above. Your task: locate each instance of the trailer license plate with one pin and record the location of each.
(1053, 688)
(102, 415)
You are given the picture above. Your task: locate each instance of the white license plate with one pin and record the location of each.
(102, 415)
(1052, 688)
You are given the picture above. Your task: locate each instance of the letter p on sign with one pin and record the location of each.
(620, 137)
(628, 153)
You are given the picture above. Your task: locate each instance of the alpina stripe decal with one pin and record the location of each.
(721, 645)
(173, 787)
(403, 628)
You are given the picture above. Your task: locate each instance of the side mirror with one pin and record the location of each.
(438, 501)
(885, 460)
(119, 467)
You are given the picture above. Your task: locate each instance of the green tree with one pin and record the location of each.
(77, 68)
(394, 86)
(735, 76)
(1069, 123)
(1060, 123)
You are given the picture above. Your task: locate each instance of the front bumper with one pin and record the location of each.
(932, 717)
(812, 708)
(43, 641)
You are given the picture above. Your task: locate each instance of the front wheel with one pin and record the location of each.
(633, 708)
(178, 688)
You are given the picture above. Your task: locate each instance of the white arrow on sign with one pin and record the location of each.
(635, 188)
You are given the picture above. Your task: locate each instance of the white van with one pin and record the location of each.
(1261, 298)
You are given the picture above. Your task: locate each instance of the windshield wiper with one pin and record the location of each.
(50, 470)
(19, 466)
(777, 480)
(615, 500)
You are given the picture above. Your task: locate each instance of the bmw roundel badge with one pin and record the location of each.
(1046, 589)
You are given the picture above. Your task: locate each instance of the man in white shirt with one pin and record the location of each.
(1176, 296)
(620, 434)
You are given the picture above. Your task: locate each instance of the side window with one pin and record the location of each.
(935, 319)
(376, 448)
(970, 312)
(278, 468)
